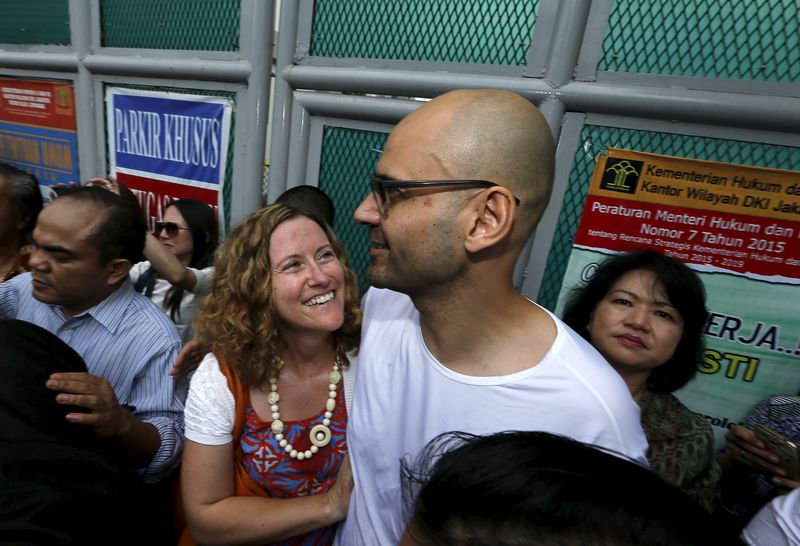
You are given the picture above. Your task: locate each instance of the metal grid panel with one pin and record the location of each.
(348, 159)
(209, 25)
(226, 183)
(35, 22)
(595, 139)
(458, 31)
(731, 39)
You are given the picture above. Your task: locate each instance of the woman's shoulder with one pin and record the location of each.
(784, 404)
(138, 269)
(209, 375)
(781, 412)
(664, 416)
(210, 406)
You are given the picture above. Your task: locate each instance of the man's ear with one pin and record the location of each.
(492, 220)
(118, 269)
(23, 221)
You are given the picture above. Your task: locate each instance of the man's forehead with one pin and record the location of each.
(69, 220)
(412, 155)
(89, 209)
(425, 143)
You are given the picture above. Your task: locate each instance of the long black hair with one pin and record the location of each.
(202, 224)
(684, 290)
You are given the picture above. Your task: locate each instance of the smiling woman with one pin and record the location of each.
(267, 411)
(645, 312)
(306, 275)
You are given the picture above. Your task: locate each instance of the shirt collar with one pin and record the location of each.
(108, 311)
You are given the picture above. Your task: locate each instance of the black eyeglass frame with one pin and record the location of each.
(381, 185)
(171, 228)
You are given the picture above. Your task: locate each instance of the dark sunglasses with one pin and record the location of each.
(171, 228)
(380, 187)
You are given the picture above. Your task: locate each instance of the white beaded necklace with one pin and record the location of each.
(320, 434)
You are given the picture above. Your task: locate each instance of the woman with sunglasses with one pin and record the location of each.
(645, 313)
(179, 257)
(265, 455)
(179, 261)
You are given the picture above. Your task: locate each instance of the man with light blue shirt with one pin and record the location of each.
(78, 289)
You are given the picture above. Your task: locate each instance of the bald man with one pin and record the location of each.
(447, 342)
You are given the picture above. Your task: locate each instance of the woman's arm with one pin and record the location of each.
(167, 265)
(215, 516)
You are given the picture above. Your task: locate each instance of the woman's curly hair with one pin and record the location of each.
(238, 316)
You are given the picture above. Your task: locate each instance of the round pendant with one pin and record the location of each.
(334, 377)
(277, 426)
(320, 435)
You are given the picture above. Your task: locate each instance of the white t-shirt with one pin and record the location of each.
(188, 308)
(777, 523)
(404, 398)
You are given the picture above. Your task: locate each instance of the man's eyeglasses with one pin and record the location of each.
(171, 228)
(380, 187)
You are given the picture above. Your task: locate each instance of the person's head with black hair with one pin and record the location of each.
(86, 241)
(309, 199)
(536, 488)
(199, 218)
(62, 483)
(20, 199)
(120, 226)
(189, 231)
(645, 313)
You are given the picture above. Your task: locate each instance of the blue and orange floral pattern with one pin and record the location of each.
(270, 466)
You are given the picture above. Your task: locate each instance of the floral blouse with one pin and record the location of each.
(270, 466)
(681, 447)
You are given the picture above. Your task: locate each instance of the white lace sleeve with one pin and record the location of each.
(210, 407)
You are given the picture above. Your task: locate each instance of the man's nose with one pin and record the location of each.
(368, 212)
(37, 260)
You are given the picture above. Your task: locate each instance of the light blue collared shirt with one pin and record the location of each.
(126, 340)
